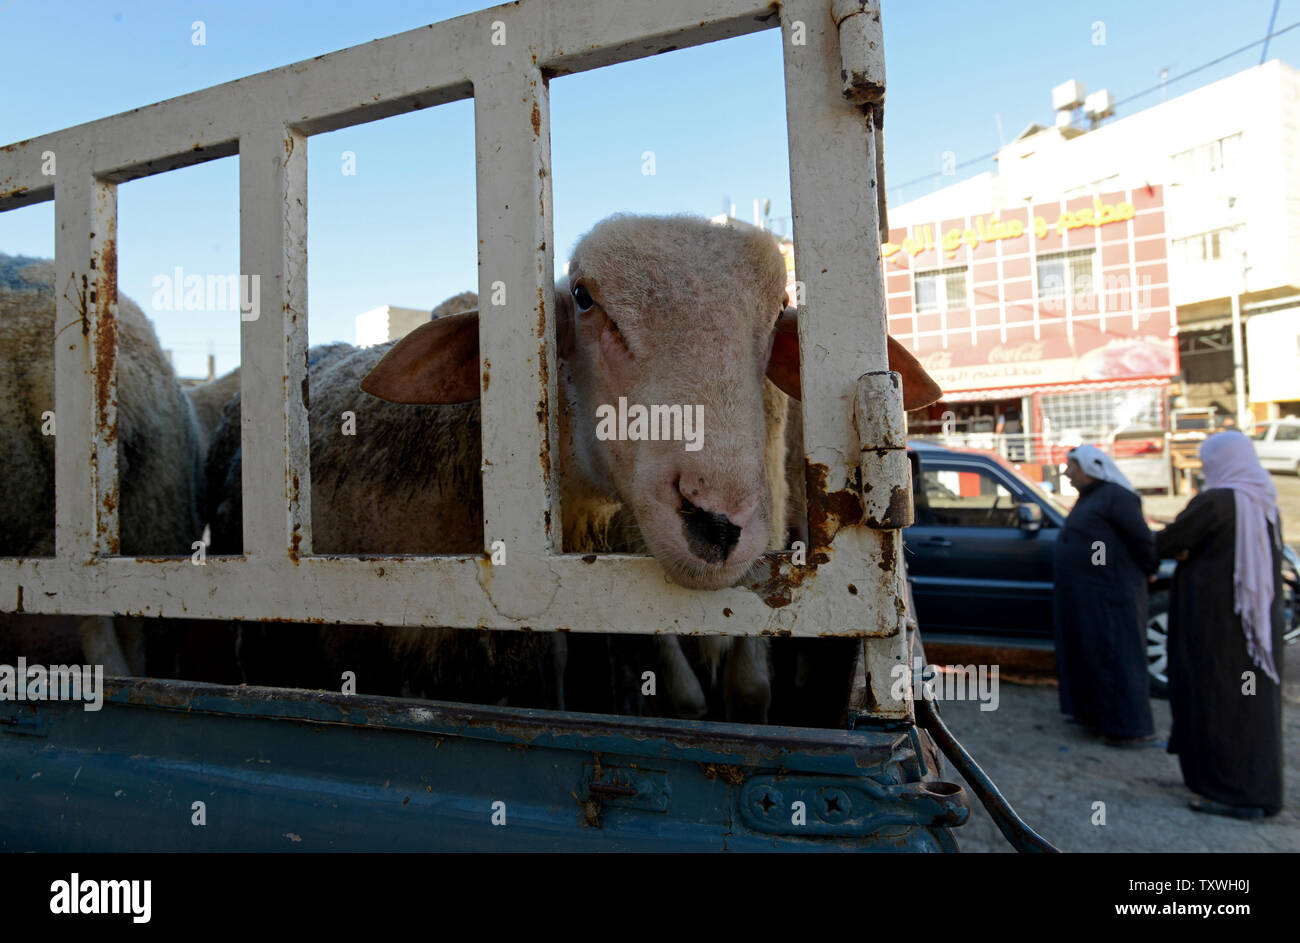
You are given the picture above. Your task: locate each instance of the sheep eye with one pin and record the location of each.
(582, 298)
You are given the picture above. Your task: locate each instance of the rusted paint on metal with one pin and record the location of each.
(19, 607)
(900, 505)
(105, 353)
(83, 308)
(295, 537)
(103, 356)
(543, 402)
(146, 694)
(487, 374)
(828, 511)
(535, 119)
(729, 774)
(888, 555)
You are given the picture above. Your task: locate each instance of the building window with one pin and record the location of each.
(1210, 246)
(943, 290)
(1215, 157)
(964, 498)
(1063, 274)
(1091, 416)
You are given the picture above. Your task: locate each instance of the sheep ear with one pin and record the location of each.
(436, 364)
(783, 365)
(918, 387)
(783, 362)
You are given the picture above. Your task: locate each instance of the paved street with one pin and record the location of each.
(1053, 772)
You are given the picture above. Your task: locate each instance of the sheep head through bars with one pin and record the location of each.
(689, 323)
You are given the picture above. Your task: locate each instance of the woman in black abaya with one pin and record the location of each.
(1102, 559)
(1225, 634)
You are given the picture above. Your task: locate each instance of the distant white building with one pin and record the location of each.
(388, 323)
(1227, 157)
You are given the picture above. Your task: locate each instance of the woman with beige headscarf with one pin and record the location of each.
(1225, 634)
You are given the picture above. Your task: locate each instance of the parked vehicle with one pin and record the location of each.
(1142, 454)
(979, 555)
(1188, 428)
(1277, 444)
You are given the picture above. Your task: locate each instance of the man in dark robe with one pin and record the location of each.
(1102, 559)
(1224, 671)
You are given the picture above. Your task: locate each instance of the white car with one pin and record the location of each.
(1277, 444)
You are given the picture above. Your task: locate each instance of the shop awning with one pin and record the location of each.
(1083, 386)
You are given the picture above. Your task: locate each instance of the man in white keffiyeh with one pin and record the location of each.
(1097, 464)
(1100, 603)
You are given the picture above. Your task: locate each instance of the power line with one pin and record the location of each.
(1271, 20)
(1212, 62)
(1155, 88)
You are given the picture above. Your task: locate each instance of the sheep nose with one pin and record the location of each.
(710, 536)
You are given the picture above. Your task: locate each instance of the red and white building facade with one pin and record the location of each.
(1088, 284)
(1038, 309)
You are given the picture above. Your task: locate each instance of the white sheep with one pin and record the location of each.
(655, 310)
(159, 456)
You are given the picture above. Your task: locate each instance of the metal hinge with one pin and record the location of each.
(886, 472)
(862, 71)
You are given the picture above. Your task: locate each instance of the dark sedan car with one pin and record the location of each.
(979, 555)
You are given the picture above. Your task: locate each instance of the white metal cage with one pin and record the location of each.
(852, 583)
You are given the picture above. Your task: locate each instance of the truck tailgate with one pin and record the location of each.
(287, 770)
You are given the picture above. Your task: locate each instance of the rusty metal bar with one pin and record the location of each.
(516, 313)
(85, 351)
(842, 321)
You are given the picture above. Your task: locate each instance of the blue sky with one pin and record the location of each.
(401, 230)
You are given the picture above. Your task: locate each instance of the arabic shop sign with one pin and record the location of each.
(992, 229)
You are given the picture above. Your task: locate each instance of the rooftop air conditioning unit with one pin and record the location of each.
(1099, 105)
(1068, 95)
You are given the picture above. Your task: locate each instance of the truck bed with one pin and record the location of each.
(289, 770)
